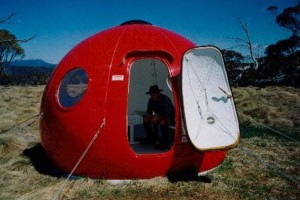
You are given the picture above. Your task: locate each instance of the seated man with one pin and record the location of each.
(160, 112)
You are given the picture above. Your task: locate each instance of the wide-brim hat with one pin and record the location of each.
(153, 89)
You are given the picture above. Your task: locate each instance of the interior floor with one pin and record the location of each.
(141, 148)
(147, 149)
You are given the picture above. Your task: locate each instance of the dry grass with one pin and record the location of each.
(18, 104)
(277, 107)
(263, 166)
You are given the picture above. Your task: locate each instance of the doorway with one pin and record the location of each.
(143, 74)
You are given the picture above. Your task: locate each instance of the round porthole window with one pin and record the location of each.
(72, 87)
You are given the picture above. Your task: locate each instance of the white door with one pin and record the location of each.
(208, 107)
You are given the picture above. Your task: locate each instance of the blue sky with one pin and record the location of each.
(61, 24)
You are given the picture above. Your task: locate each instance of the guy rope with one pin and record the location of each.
(25, 123)
(60, 189)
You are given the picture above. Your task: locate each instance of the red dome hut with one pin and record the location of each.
(91, 106)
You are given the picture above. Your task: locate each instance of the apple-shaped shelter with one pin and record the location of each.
(93, 102)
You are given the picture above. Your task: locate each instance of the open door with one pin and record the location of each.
(143, 74)
(208, 107)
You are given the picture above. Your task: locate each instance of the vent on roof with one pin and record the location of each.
(135, 21)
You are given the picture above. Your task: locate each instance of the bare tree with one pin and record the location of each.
(6, 18)
(247, 43)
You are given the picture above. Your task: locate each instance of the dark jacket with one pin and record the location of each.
(163, 107)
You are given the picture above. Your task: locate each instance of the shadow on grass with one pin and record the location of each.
(251, 131)
(43, 165)
(40, 161)
(187, 176)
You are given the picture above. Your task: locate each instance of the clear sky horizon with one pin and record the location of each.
(59, 25)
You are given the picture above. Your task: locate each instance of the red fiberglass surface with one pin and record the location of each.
(106, 58)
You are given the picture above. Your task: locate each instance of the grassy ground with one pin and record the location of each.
(263, 166)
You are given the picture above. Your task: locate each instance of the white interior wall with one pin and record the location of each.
(142, 76)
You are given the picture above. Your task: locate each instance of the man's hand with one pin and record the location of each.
(155, 119)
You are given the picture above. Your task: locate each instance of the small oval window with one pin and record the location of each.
(72, 87)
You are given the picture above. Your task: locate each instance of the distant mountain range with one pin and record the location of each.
(27, 72)
(31, 63)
